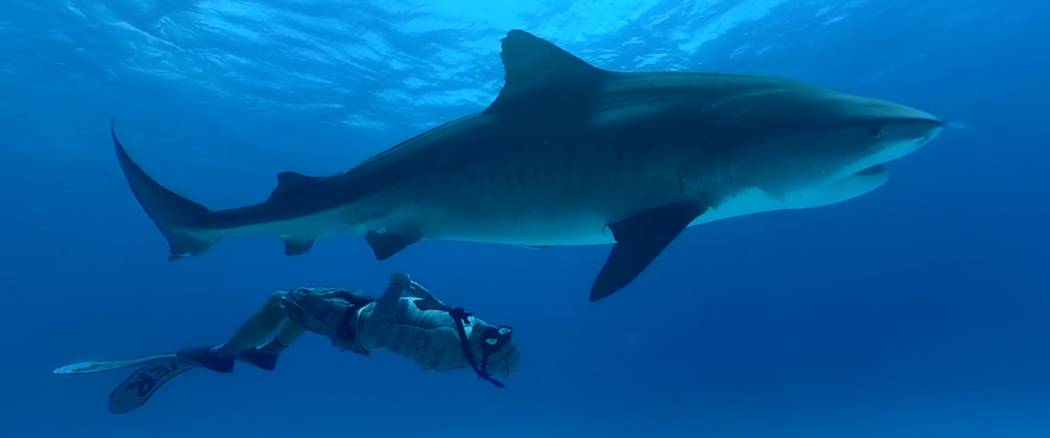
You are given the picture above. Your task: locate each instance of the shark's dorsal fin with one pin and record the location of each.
(537, 72)
(289, 182)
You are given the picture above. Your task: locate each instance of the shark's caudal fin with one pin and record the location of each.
(174, 215)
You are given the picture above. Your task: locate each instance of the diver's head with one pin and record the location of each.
(499, 354)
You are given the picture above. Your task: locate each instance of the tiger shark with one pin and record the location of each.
(571, 154)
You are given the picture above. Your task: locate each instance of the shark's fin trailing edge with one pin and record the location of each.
(385, 245)
(537, 71)
(295, 247)
(639, 240)
(174, 215)
(291, 182)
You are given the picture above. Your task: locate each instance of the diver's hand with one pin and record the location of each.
(416, 287)
(402, 280)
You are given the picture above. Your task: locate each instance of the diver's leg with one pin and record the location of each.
(256, 330)
(287, 333)
(265, 356)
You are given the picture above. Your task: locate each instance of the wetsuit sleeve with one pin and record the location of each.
(387, 304)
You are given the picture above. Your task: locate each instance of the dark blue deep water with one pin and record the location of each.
(919, 310)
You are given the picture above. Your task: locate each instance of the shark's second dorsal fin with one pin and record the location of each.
(537, 71)
(290, 182)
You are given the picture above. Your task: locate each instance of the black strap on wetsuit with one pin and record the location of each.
(347, 328)
(460, 316)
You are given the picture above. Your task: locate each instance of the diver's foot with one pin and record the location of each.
(260, 358)
(207, 358)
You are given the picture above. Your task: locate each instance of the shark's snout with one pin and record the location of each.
(899, 130)
(920, 129)
(905, 123)
(933, 128)
(876, 131)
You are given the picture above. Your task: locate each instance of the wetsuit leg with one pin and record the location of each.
(265, 356)
(287, 333)
(256, 330)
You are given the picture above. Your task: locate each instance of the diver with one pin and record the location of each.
(407, 319)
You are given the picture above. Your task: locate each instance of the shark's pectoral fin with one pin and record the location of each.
(387, 244)
(639, 240)
(291, 182)
(295, 247)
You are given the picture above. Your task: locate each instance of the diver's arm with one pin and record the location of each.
(418, 290)
(387, 304)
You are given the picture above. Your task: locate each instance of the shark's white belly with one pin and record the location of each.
(754, 200)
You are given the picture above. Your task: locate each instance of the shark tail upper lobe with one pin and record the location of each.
(175, 216)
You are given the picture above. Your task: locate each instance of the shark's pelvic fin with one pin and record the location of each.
(174, 215)
(290, 182)
(385, 245)
(294, 247)
(538, 72)
(639, 240)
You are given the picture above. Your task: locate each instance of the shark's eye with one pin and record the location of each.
(875, 132)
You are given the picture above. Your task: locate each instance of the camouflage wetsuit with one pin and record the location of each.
(407, 321)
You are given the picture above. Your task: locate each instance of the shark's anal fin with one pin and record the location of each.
(294, 247)
(290, 182)
(639, 240)
(387, 244)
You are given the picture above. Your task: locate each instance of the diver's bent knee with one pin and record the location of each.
(274, 302)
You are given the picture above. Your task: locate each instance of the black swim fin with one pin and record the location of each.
(137, 389)
(207, 358)
(260, 358)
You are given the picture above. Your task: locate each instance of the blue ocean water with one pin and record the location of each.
(919, 310)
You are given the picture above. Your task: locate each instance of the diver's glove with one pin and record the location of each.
(413, 288)
(401, 279)
(405, 282)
